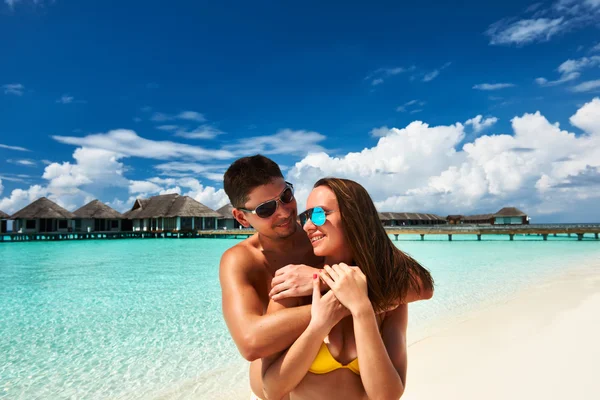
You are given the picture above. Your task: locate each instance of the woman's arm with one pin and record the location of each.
(282, 373)
(382, 356)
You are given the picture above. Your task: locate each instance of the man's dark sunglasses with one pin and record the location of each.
(268, 208)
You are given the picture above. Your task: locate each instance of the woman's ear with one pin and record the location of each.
(240, 216)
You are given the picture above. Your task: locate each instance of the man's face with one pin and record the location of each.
(282, 223)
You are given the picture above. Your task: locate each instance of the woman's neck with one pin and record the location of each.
(338, 258)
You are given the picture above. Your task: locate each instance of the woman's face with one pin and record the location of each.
(328, 239)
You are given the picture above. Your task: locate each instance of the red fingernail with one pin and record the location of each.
(314, 276)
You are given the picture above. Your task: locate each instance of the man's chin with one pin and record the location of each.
(286, 231)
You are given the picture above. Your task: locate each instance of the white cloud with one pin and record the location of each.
(201, 132)
(587, 86)
(378, 76)
(95, 168)
(493, 86)
(65, 99)
(479, 123)
(539, 167)
(13, 88)
(559, 17)
(176, 189)
(595, 48)
(120, 205)
(168, 128)
(143, 187)
(19, 198)
(570, 70)
(431, 76)
(406, 106)
(1, 187)
(27, 163)
(191, 116)
(524, 31)
(161, 117)
(586, 118)
(435, 73)
(207, 195)
(380, 132)
(184, 115)
(128, 143)
(176, 168)
(579, 64)
(4, 146)
(286, 141)
(11, 3)
(565, 78)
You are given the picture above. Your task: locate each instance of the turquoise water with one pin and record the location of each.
(138, 319)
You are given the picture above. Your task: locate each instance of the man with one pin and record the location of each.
(275, 263)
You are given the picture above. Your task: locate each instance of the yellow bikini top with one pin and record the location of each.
(325, 363)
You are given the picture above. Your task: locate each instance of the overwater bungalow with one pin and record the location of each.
(171, 212)
(227, 221)
(403, 219)
(96, 216)
(479, 219)
(510, 216)
(3, 222)
(43, 216)
(454, 219)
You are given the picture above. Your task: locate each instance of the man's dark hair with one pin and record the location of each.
(246, 174)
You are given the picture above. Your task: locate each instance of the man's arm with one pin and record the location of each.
(296, 280)
(255, 335)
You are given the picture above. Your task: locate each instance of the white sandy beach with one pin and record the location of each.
(542, 344)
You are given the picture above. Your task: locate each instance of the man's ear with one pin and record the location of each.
(240, 216)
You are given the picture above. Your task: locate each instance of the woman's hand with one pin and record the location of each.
(349, 285)
(326, 311)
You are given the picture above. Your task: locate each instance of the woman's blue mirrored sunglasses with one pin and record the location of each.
(317, 215)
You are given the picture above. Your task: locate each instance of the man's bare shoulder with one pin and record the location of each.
(242, 257)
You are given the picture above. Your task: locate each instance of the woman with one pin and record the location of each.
(365, 322)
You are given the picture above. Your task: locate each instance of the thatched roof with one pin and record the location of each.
(169, 205)
(389, 216)
(226, 211)
(510, 212)
(3, 215)
(97, 210)
(478, 217)
(43, 208)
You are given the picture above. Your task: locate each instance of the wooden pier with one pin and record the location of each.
(543, 230)
(578, 231)
(61, 236)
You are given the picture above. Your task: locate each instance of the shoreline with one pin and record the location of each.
(541, 343)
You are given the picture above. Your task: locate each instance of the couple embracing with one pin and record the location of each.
(317, 301)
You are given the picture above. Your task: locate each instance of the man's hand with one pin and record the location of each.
(293, 280)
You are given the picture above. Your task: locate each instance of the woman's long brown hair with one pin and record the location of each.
(390, 272)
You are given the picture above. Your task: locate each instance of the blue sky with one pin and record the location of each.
(117, 100)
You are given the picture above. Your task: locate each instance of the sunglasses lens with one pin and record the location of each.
(318, 216)
(287, 196)
(303, 218)
(267, 209)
